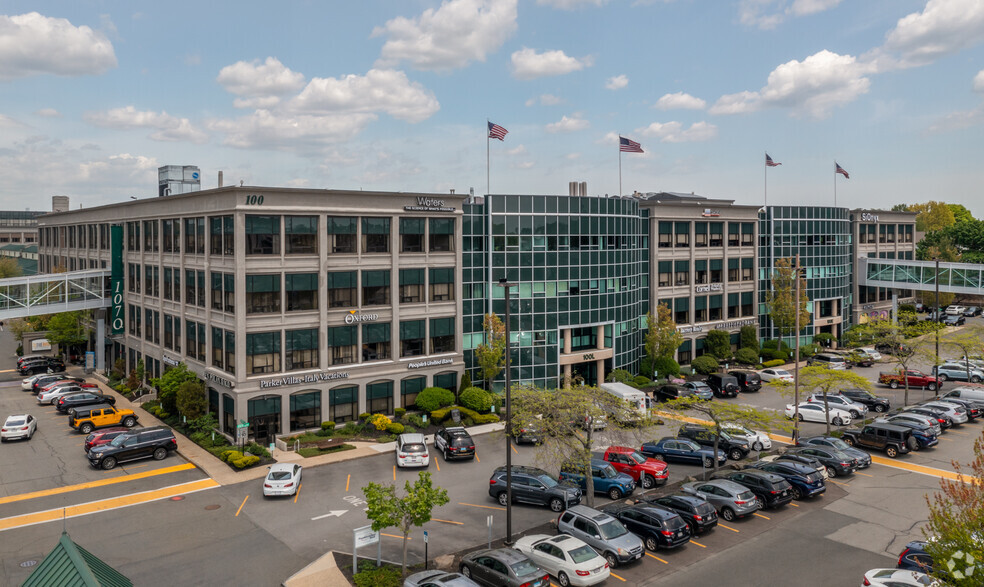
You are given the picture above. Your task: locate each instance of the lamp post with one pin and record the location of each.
(796, 373)
(936, 311)
(504, 283)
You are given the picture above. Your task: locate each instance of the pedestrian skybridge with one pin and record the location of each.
(958, 278)
(54, 292)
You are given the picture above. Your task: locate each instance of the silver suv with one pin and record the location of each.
(828, 361)
(842, 402)
(603, 533)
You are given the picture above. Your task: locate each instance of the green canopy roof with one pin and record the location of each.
(70, 565)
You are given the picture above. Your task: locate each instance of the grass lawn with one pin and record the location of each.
(314, 451)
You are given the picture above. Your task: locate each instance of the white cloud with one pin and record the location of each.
(193, 59)
(8, 122)
(568, 124)
(450, 37)
(124, 163)
(169, 128)
(545, 100)
(520, 150)
(679, 101)
(48, 113)
(571, 4)
(943, 27)
(32, 44)
(807, 7)
(813, 87)
(768, 14)
(379, 90)
(524, 165)
(528, 64)
(979, 81)
(617, 82)
(271, 78)
(673, 132)
(268, 130)
(572, 156)
(958, 121)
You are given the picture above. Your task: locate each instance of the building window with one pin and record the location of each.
(442, 335)
(229, 289)
(665, 275)
(682, 233)
(167, 228)
(301, 349)
(734, 234)
(747, 234)
(343, 404)
(132, 236)
(302, 291)
(342, 342)
(200, 355)
(230, 351)
(168, 332)
(149, 318)
(681, 310)
(262, 353)
(447, 381)
(700, 271)
(375, 288)
(262, 294)
(341, 234)
(302, 235)
(734, 271)
(665, 235)
(441, 235)
(341, 290)
(190, 287)
(747, 265)
(375, 342)
(305, 410)
(734, 310)
(379, 397)
(229, 413)
(411, 235)
(412, 338)
(717, 234)
(223, 241)
(716, 265)
(715, 312)
(216, 291)
(409, 388)
(217, 353)
(191, 336)
(442, 284)
(150, 235)
(681, 272)
(746, 304)
(375, 235)
(262, 235)
(194, 235)
(700, 309)
(700, 234)
(411, 286)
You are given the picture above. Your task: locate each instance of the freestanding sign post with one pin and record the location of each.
(242, 433)
(365, 536)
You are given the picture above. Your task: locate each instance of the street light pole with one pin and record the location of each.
(503, 283)
(936, 311)
(796, 374)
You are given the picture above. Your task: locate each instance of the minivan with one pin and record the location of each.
(971, 393)
(828, 361)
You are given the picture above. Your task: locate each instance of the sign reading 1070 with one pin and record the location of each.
(117, 307)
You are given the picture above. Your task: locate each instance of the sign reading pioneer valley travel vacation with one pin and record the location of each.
(306, 378)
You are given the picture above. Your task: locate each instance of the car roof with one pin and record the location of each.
(456, 431)
(505, 554)
(17, 416)
(282, 467)
(587, 512)
(521, 469)
(621, 449)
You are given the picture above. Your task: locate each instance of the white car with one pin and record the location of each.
(755, 439)
(283, 479)
(956, 310)
(411, 450)
(775, 374)
(898, 578)
(568, 558)
(49, 397)
(22, 426)
(28, 384)
(811, 412)
(870, 352)
(845, 403)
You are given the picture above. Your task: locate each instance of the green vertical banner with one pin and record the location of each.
(116, 276)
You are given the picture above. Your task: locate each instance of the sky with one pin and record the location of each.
(395, 96)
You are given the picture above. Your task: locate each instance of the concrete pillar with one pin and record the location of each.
(100, 346)
(600, 367)
(567, 341)
(567, 375)
(600, 335)
(285, 414)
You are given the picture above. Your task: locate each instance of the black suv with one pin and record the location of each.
(668, 392)
(747, 380)
(154, 442)
(658, 527)
(67, 403)
(454, 443)
(697, 513)
(536, 486)
(835, 461)
(723, 385)
(704, 436)
(42, 365)
(773, 490)
(874, 402)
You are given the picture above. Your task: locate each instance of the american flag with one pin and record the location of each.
(629, 146)
(770, 162)
(840, 170)
(497, 132)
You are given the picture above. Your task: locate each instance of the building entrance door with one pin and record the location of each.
(265, 428)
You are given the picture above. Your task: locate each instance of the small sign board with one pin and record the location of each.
(242, 430)
(365, 536)
(40, 344)
(90, 361)
(456, 416)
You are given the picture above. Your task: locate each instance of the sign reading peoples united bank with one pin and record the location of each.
(425, 204)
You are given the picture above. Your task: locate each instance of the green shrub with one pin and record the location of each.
(395, 428)
(746, 356)
(476, 399)
(364, 416)
(778, 354)
(773, 363)
(443, 414)
(329, 425)
(246, 461)
(808, 350)
(399, 413)
(705, 364)
(370, 576)
(748, 338)
(770, 344)
(409, 429)
(718, 344)
(486, 418)
(386, 438)
(434, 398)
(325, 433)
(619, 376)
(642, 381)
(466, 381)
(667, 367)
(257, 449)
(907, 308)
(416, 420)
(231, 455)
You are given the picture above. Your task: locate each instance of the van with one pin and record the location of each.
(971, 393)
(639, 402)
(829, 361)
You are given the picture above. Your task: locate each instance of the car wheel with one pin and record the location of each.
(880, 408)
(556, 505)
(658, 456)
(735, 454)
(503, 498)
(129, 421)
(758, 446)
(943, 376)
(891, 451)
(848, 441)
(975, 379)
(652, 544)
(614, 494)
(855, 414)
(85, 428)
(931, 386)
(445, 452)
(913, 443)
(799, 417)
(893, 384)
(109, 463)
(563, 579)
(837, 421)
(612, 560)
(648, 482)
(30, 434)
(159, 453)
(708, 463)
(728, 514)
(465, 571)
(831, 472)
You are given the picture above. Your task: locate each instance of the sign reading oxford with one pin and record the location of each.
(354, 317)
(306, 378)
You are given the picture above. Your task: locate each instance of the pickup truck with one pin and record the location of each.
(646, 472)
(915, 378)
(894, 440)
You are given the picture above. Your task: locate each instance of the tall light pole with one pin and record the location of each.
(504, 283)
(796, 372)
(936, 311)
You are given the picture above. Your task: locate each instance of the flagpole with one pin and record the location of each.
(765, 172)
(835, 184)
(488, 185)
(620, 170)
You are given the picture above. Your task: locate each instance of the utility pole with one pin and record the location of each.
(503, 283)
(796, 375)
(936, 311)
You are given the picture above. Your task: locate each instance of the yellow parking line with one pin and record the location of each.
(347, 480)
(616, 576)
(946, 439)
(91, 484)
(241, 506)
(395, 536)
(795, 505)
(865, 474)
(728, 527)
(8, 371)
(761, 516)
(448, 522)
(698, 544)
(394, 472)
(657, 558)
(105, 504)
(435, 462)
(476, 457)
(298, 492)
(838, 483)
(513, 446)
(931, 471)
(958, 433)
(488, 507)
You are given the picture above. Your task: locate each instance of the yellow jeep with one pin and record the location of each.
(87, 419)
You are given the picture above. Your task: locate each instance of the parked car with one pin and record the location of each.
(972, 311)
(836, 462)
(728, 498)
(502, 567)
(747, 380)
(702, 389)
(806, 481)
(957, 372)
(735, 449)
(45, 365)
(534, 486)
(527, 435)
(438, 578)
(659, 528)
(645, 471)
(867, 399)
(855, 409)
(955, 310)
(282, 479)
(55, 393)
(411, 450)
(863, 458)
(682, 450)
(602, 532)
(801, 459)
(883, 437)
(974, 409)
(671, 392)
(771, 489)
(899, 578)
(924, 434)
(755, 439)
(971, 393)
(944, 421)
(88, 418)
(829, 361)
(156, 441)
(723, 385)
(604, 477)
(20, 426)
(957, 414)
(886, 348)
(24, 358)
(47, 379)
(872, 354)
(915, 558)
(814, 412)
(454, 443)
(68, 403)
(921, 419)
(101, 437)
(951, 320)
(696, 512)
(28, 383)
(569, 559)
(775, 374)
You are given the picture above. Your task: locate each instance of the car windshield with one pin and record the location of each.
(17, 422)
(414, 448)
(547, 480)
(781, 372)
(612, 529)
(637, 458)
(738, 429)
(582, 554)
(524, 567)
(278, 475)
(700, 385)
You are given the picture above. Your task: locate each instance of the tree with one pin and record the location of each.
(828, 381)
(191, 399)
(749, 338)
(718, 413)
(969, 341)
(960, 213)
(781, 299)
(932, 216)
(905, 340)
(68, 329)
(169, 383)
(662, 339)
(9, 268)
(386, 509)
(491, 354)
(956, 516)
(719, 344)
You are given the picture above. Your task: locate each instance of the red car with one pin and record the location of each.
(104, 436)
(55, 384)
(647, 472)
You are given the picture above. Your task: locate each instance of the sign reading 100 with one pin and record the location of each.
(254, 200)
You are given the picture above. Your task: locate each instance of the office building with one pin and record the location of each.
(880, 234)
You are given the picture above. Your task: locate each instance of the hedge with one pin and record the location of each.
(666, 366)
(246, 461)
(773, 363)
(230, 455)
(395, 428)
(746, 356)
(444, 413)
(705, 364)
(475, 398)
(434, 398)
